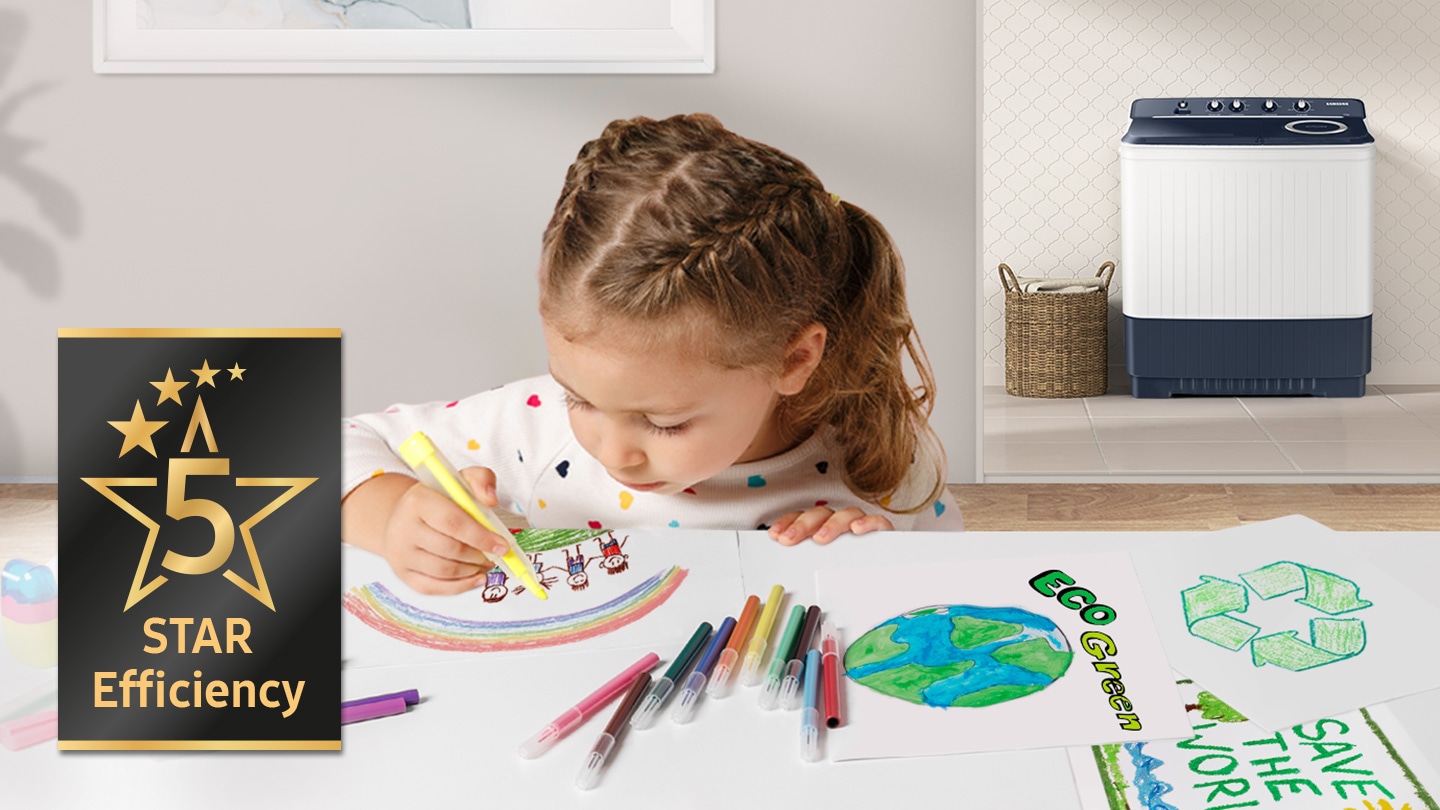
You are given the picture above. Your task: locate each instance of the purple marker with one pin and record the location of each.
(411, 697)
(370, 711)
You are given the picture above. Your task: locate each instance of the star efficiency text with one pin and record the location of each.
(148, 687)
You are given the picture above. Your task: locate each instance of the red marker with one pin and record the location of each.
(830, 666)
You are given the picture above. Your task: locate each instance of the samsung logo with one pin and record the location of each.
(1337, 104)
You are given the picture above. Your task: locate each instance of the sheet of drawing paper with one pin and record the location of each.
(1358, 759)
(606, 589)
(997, 654)
(473, 715)
(1289, 620)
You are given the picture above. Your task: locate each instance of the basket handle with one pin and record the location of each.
(1007, 278)
(1101, 272)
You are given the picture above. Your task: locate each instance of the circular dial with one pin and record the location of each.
(1269, 105)
(1237, 105)
(1302, 105)
(1214, 105)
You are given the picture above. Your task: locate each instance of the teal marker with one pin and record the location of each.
(645, 716)
(770, 698)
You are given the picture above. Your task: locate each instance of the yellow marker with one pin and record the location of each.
(420, 453)
(750, 673)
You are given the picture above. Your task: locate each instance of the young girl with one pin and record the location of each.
(726, 341)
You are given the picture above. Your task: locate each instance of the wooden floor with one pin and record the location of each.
(1195, 507)
(1090, 507)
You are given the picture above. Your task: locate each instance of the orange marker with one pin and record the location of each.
(720, 684)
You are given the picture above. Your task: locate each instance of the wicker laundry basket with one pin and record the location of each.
(1056, 344)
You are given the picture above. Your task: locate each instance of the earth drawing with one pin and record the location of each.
(960, 655)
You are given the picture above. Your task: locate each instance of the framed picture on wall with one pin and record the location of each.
(404, 36)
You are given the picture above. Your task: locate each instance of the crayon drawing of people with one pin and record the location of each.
(613, 559)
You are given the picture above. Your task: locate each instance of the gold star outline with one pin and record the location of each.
(138, 590)
(237, 373)
(220, 552)
(138, 432)
(260, 590)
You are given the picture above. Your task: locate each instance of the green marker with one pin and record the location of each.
(645, 715)
(770, 698)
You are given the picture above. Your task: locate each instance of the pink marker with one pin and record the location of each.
(30, 730)
(574, 716)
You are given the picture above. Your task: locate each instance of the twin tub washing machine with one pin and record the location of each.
(1246, 243)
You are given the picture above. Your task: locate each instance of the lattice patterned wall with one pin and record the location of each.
(1059, 77)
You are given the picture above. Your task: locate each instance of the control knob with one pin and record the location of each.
(1302, 105)
(1269, 105)
(1214, 105)
(1237, 105)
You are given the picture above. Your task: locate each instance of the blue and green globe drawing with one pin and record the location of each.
(960, 655)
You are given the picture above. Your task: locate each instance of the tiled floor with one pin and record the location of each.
(1392, 435)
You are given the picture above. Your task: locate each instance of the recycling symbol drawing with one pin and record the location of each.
(1210, 609)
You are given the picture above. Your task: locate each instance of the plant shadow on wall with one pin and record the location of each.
(25, 251)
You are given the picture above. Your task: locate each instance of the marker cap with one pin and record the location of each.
(645, 715)
(770, 695)
(541, 742)
(720, 683)
(810, 735)
(790, 696)
(750, 672)
(689, 698)
(589, 775)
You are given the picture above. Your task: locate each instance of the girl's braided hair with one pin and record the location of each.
(681, 223)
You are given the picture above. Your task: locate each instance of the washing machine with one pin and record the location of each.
(1246, 231)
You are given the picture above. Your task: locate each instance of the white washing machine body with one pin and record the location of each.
(1247, 246)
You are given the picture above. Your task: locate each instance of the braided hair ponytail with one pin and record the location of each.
(681, 224)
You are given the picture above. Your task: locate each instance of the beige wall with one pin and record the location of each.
(1058, 81)
(407, 210)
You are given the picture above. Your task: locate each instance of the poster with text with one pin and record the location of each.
(998, 654)
(1360, 760)
(199, 531)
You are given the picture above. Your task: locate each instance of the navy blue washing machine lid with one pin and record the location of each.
(1248, 121)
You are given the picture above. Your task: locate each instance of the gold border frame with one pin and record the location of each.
(198, 745)
(210, 333)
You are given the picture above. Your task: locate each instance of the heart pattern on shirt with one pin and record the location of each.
(533, 401)
(563, 468)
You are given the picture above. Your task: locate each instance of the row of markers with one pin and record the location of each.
(798, 678)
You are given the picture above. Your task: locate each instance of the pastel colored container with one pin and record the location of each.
(29, 605)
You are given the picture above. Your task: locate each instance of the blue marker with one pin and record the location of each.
(685, 709)
(810, 714)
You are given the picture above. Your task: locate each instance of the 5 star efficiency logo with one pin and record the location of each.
(146, 426)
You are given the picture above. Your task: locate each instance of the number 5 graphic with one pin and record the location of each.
(178, 506)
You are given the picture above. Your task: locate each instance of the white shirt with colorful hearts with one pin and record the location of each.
(522, 432)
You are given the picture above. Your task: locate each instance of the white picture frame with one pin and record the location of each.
(570, 37)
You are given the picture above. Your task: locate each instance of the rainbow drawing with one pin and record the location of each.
(378, 607)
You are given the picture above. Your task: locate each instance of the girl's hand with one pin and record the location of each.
(823, 524)
(434, 546)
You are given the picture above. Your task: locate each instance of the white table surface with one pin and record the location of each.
(459, 744)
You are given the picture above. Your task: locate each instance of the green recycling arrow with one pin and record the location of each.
(1205, 607)
(1331, 640)
(1324, 591)
(1208, 607)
